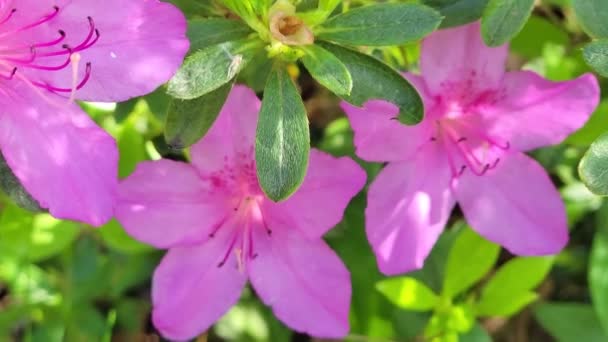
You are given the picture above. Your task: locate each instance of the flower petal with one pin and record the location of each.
(534, 112)
(166, 203)
(141, 44)
(458, 55)
(59, 154)
(515, 205)
(329, 184)
(408, 205)
(379, 137)
(303, 281)
(190, 292)
(231, 139)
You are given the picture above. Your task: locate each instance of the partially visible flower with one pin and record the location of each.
(479, 120)
(221, 230)
(56, 51)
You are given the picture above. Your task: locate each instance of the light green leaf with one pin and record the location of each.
(204, 33)
(328, 70)
(210, 68)
(596, 55)
(570, 322)
(282, 139)
(470, 259)
(189, 120)
(593, 16)
(505, 306)
(593, 168)
(408, 293)
(374, 80)
(503, 19)
(381, 25)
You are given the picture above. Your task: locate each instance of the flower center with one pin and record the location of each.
(46, 54)
(238, 177)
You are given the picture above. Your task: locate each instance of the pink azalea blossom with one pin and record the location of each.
(221, 230)
(469, 149)
(55, 51)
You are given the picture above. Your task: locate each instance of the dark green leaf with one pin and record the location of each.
(570, 322)
(470, 259)
(210, 68)
(327, 70)
(593, 168)
(457, 12)
(598, 267)
(373, 79)
(282, 139)
(503, 19)
(12, 188)
(381, 25)
(189, 120)
(211, 31)
(596, 55)
(593, 16)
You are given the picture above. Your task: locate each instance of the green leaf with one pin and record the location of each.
(570, 322)
(211, 31)
(596, 55)
(457, 12)
(593, 168)
(115, 237)
(509, 290)
(408, 293)
(282, 139)
(189, 120)
(373, 80)
(536, 34)
(381, 25)
(469, 260)
(593, 16)
(210, 68)
(327, 70)
(598, 267)
(11, 186)
(476, 334)
(503, 19)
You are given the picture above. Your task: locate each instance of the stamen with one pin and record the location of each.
(42, 20)
(230, 248)
(9, 77)
(62, 36)
(8, 17)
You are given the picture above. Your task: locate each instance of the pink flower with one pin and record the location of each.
(469, 149)
(221, 230)
(53, 51)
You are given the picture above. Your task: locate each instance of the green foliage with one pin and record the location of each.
(283, 141)
(373, 79)
(569, 322)
(598, 268)
(458, 12)
(380, 25)
(328, 70)
(10, 185)
(503, 19)
(189, 120)
(594, 166)
(204, 33)
(208, 69)
(596, 55)
(470, 259)
(408, 293)
(592, 15)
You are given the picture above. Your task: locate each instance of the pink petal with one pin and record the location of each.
(379, 137)
(534, 112)
(458, 55)
(408, 205)
(190, 292)
(59, 154)
(231, 139)
(303, 281)
(330, 184)
(515, 205)
(165, 203)
(142, 44)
